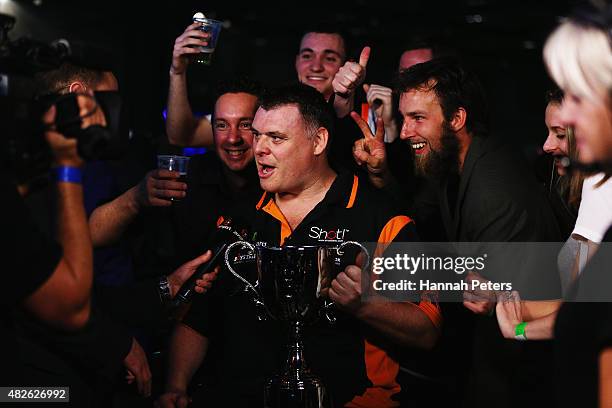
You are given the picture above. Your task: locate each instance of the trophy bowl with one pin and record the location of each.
(291, 284)
(291, 280)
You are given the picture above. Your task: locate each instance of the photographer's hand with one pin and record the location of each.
(65, 149)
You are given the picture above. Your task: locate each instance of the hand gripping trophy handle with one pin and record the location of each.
(259, 304)
(328, 306)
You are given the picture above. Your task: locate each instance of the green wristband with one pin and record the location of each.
(519, 331)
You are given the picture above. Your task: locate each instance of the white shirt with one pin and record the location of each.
(372, 124)
(595, 212)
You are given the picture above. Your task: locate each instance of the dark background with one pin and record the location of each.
(501, 40)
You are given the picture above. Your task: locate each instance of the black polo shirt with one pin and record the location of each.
(355, 368)
(209, 196)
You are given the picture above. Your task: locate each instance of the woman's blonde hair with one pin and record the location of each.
(579, 58)
(575, 180)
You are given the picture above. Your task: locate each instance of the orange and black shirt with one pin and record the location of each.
(357, 370)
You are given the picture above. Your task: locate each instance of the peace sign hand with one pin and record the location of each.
(371, 151)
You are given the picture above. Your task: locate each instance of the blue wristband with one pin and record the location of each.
(67, 174)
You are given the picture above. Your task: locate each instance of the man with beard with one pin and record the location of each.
(486, 194)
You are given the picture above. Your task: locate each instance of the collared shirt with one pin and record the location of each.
(356, 370)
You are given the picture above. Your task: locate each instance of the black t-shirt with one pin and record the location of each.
(342, 137)
(345, 354)
(29, 259)
(583, 329)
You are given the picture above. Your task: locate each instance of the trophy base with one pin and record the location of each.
(299, 391)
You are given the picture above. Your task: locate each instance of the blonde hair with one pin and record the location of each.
(574, 185)
(579, 59)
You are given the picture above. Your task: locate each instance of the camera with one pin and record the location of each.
(24, 152)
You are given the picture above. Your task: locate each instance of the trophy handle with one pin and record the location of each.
(365, 251)
(241, 244)
(327, 309)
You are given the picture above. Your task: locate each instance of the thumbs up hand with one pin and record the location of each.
(351, 75)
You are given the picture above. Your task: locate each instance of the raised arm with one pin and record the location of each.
(182, 127)
(64, 299)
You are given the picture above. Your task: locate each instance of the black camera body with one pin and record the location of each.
(24, 152)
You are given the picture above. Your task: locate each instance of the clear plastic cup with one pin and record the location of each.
(213, 27)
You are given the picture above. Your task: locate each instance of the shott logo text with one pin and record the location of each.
(331, 235)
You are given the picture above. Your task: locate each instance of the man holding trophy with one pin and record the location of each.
(307, 208)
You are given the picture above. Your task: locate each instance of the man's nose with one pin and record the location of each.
(407, 130)
(234, 136)
(259, 146)
(317, 64)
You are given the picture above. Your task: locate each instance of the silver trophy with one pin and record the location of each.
(291, 281)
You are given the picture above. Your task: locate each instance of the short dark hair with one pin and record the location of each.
(238, 85)
(455, 87)
(555, 96)
(241, 84)
(324, 28)
(313, 107)
(57, 81)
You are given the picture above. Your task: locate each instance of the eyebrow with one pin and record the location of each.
(271, 133)
(418, 112)
(326, 51)
(239, 119)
